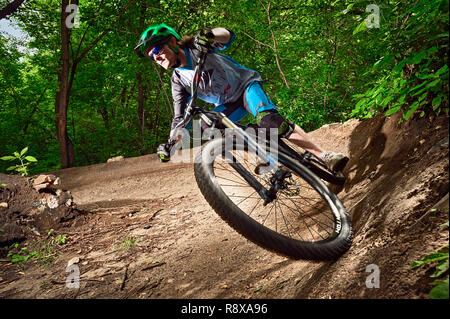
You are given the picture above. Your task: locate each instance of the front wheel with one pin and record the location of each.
(304, 219)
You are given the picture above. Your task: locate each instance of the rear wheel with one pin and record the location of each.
(304, 221)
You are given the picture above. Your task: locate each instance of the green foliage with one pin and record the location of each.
(25, 161)
(393, 92)
(412, 72)
(43, 250)
(327, 66)
(129, 243)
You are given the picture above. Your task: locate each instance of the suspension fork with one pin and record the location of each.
(268, 195)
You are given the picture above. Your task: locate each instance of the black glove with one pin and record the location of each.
(163, 152)
(203, 40)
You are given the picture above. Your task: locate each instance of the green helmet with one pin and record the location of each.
(155, 34)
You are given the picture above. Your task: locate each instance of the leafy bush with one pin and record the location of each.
(394, 92)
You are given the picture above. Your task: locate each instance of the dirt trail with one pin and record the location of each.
(148, 232)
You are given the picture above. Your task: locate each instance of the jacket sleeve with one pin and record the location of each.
(222, 46)
(180, 99)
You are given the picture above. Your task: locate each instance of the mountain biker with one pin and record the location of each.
(234, 89)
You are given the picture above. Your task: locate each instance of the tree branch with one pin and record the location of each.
(274, 48)
(82, 55)
(10, 8)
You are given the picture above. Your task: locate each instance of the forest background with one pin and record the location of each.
(76, 94)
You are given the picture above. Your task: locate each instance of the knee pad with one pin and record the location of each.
(270, 120)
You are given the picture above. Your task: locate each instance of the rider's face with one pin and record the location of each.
(165, 58)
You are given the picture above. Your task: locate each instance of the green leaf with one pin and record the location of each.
(442, 70)
(360, 102)
(412, 109)
(436, 102)
(423, 96)
(362, 26)
(433, 257)
(31, 159)
(7, 158)
(440, 291)
(393, 110)
(23, 151)
(429, 85)
(441, 268)
(386, 100)
(417, 58)
(417, 86)
(399, 66)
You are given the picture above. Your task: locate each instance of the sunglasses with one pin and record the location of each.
(156, 50)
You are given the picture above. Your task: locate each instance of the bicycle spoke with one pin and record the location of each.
(298, 210)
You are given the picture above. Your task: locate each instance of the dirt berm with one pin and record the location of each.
(139, 228)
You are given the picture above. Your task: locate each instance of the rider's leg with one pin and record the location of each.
(257, 102)
(300, 138)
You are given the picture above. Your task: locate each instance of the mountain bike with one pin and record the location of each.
(268, 192)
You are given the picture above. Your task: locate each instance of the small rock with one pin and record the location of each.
(52, 201)
(34, 230)
(115, 159)
(74, 260)
(4, 205)
(69, 202)
(44, 181)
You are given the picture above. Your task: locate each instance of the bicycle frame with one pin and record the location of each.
(192, 110)
(212, 118)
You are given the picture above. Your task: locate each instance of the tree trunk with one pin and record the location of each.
(62, 96)
(66, 75)
(140, 110)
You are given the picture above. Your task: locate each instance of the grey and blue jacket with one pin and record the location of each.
(223, 80)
